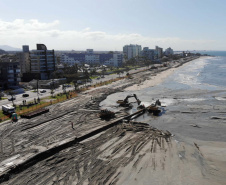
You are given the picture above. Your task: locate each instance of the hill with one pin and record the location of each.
(2, 52)
(9, 48)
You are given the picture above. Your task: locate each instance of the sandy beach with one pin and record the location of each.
(153, 80)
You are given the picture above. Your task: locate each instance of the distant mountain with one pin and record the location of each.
(2, 52)
(9, 48)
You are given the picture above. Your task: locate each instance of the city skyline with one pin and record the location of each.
(109, 25)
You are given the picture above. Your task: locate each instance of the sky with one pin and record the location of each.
(110, 24)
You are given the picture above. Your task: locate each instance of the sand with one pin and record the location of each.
(153, 81)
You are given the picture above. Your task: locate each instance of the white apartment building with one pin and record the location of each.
(115, 61)
(92, 59)
(68, 60)
(131, 50)
(109, 62)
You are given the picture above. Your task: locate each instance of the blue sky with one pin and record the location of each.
(110, 24)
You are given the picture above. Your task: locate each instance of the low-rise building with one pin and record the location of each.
(91, 58)
(47, 84)
(68, 60)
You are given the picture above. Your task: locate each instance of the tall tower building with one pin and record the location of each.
(42, 61)
(131, 50)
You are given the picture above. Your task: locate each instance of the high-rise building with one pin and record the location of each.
(42, 61)
(168, 51)
(9, 74)
(25, 48)
(159, 51)
(24, 59)
(150, 54)
(131, 50)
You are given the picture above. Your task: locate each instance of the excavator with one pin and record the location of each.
(154, 108)
(125, 102)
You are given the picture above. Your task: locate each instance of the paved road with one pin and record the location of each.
(32, 95)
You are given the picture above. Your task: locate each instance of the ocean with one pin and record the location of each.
(207, 73)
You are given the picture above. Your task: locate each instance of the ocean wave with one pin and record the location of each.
(222, 66)
(193, 99)
(188, 79)
(220, 98)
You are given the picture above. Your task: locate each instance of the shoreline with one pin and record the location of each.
(158, 77)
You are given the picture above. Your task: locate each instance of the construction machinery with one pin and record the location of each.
(125, 102)
(154, 108)
(106, 114)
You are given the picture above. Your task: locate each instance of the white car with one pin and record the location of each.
(42, 91)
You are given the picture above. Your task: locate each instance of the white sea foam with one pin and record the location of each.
(220, 98)
(193, 99)
(222, 66)
(190, 74)
(167, 102)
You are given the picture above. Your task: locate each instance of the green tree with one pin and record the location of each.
(75, 85)
(1, 95)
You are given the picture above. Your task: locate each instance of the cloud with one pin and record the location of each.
(20, 32)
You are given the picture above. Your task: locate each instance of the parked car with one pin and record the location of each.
(12, 98)
(42, 91)
(98, 78)
(25, 95)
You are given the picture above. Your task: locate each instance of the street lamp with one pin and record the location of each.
(37, 91)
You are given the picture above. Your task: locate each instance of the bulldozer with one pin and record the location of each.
(125, 102)
(106, 114)
(154, 108)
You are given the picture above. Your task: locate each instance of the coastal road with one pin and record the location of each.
(34, 95)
